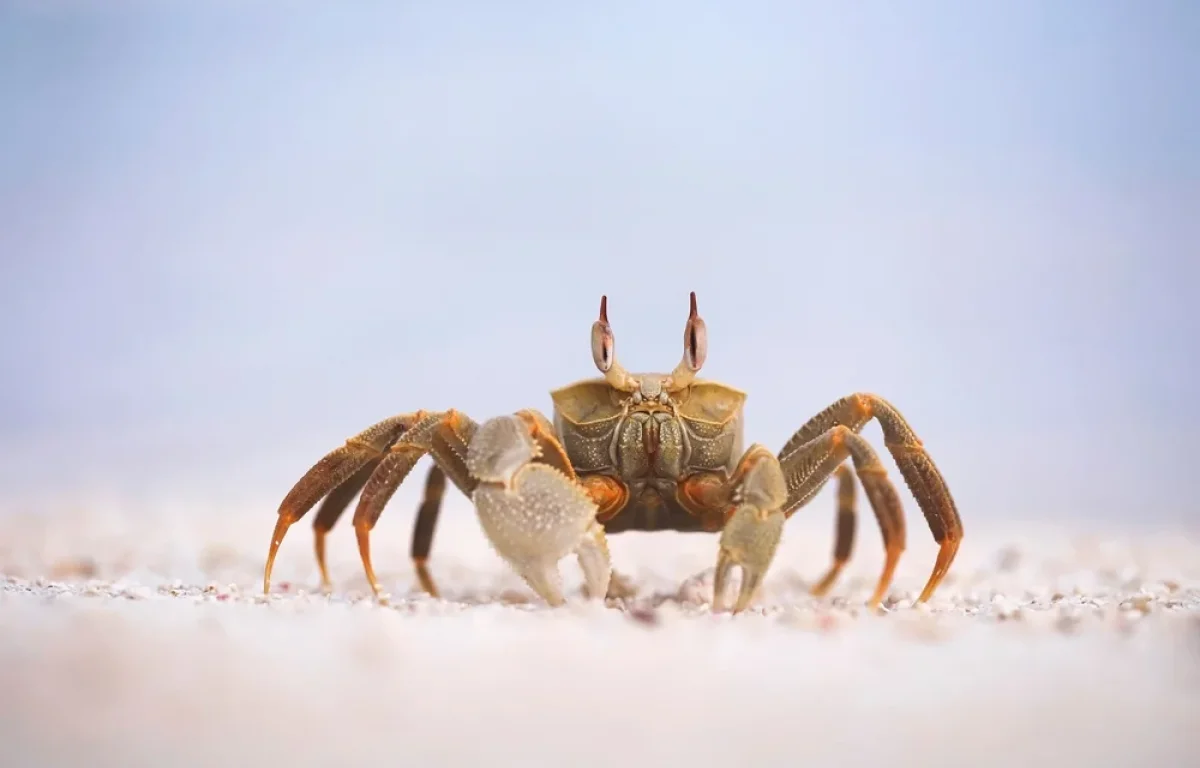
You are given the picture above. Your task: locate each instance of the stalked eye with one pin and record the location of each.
(695, 339)
(602, 339)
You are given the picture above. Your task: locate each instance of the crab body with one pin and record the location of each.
(642, 448)
(630, 452)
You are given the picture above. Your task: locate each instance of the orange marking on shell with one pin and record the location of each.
(838, 438)
(547, 441)
(609, 494)
(864, 406)
(706, 496)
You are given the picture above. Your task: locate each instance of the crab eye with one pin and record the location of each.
(695, 339)
(602, 339)
(602, 346)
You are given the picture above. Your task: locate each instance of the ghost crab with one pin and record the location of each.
(630, 452)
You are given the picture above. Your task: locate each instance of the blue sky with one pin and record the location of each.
(230, 237)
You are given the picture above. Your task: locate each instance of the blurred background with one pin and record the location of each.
(233, 236)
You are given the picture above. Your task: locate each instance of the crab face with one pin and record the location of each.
(648, 431)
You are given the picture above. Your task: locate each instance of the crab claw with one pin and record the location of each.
(752, 532)
(532, 512)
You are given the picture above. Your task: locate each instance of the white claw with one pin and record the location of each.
(499, 448)
(751, 536)
(532, 513)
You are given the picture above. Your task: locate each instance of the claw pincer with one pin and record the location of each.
(532, 513)
(752, 532)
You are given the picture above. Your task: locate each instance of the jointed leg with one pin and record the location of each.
(443, 435)
(425, 525)
(848, 416)
(844, 535)
(809, 466)
(334, 469)
(331, 510)
(525, 492)
(391, 447)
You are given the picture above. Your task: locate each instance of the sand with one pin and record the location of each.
(124, 644)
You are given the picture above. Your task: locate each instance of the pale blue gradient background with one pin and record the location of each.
(232, 237)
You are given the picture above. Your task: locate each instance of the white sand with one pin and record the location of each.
(1044, 648)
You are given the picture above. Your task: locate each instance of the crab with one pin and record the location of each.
(630, 452)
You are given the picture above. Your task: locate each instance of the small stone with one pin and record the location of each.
(644, 615)
(1140, 604)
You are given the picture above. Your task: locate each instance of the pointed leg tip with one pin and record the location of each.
(821, 588)
(748, 594)
(425, 578)
(377, 592)
(326, 584)
(930, 588)
(267, 571)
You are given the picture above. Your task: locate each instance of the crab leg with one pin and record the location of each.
(844, 534)
(839, 424)
(335, 468)
(392, 447)
(531, 507)
(513, 468)
(443, 435)
(424, 526)
(331, 510)
(809, 466)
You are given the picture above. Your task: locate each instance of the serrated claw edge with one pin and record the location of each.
(532, 513)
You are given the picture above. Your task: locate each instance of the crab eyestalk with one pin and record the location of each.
(695, 350)
(604, 353)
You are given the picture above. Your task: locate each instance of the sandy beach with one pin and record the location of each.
(1046, 646)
